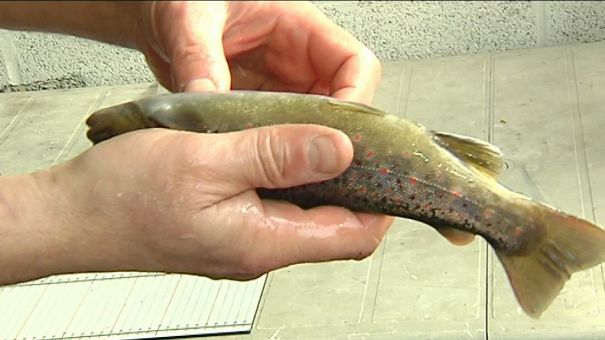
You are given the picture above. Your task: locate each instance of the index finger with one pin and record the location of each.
(337, 55)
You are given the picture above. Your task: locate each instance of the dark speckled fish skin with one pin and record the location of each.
(399, 169)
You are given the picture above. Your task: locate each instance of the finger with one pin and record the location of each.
(357, 78)
(195, 47)
(284, 234)
(159, 67)
(353, 69)
(320, 234)
(274, 157)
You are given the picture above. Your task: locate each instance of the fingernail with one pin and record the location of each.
(323, 155)
(199, 85)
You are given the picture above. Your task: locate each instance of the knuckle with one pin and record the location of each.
(374, 62)
(190, 51)
(272, 157)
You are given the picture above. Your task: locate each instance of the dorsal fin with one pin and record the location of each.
(357, 107)
(482, 156)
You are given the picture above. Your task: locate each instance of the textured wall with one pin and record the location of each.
(397, 30)
(393, 30)
(571, 22)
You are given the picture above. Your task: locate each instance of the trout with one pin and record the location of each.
(399, 169)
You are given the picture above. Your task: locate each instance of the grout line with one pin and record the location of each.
(374, 272)
(408, 86)
(378, 277)
(489, 91)
(578, 138)
(16, 119)
(373, 276)
(540, 11)
(8, 51)
(365, 292)
(575, 111)
(399, 91)
(80, 127)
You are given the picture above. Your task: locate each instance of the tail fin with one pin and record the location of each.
(115, 120)
(571, 244)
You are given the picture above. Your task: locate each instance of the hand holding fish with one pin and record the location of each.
(182, 202)
(144, 203)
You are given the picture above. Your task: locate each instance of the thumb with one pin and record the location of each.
(280, 156)
(197, 59)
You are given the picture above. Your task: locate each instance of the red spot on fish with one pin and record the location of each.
(383, 171)
(456, 193)
(370, 154)
(357, 137)
(488, 213)
(413, 181)
(518, 231)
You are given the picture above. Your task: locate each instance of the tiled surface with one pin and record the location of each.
(545, 114)
(544, 108)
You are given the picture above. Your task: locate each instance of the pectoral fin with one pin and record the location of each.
(455, 236)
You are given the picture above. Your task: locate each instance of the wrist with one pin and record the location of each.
(33, 241)
(50, 226)
(114, 22)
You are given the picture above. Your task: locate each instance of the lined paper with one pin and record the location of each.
(127, 306)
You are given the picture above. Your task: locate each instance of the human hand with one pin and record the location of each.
(274, 46)
(172, 201)
(205, 46)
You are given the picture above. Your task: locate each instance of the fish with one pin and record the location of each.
(399, 168)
